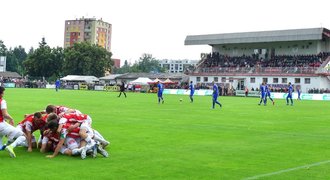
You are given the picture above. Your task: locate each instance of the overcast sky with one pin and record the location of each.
(157, 27)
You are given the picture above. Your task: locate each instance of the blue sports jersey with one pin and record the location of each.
(160, 88)
(192, 90)
(262, 90)
(290, 89)
(215, 90)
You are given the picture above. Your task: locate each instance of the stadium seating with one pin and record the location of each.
(289, 64)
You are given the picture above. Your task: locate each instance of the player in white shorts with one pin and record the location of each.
(14, 135)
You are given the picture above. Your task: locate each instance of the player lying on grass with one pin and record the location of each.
(74, 126)
(61, 110)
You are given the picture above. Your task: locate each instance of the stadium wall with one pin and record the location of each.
(203, 92)
(306, 82)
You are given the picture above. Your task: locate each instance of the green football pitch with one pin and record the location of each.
(181, 140)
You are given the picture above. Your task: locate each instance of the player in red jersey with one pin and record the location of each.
(29, 125)
(84, 122)
(14, 135)
(60, 110)
(49, 141)
(70, 122)
(69, 141)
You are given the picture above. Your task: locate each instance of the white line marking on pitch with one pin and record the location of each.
(288, 170)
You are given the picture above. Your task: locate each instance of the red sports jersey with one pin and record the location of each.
(29, 125)
(55, 137)
(73, 118)
(45, 117)
(61, 109)
(73, 133)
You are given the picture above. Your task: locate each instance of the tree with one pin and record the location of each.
(86, 59)
(148, 64)
(124, 69)
(3, 49)
(44, 61)
(15, 59)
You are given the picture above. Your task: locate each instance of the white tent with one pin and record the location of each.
(88, 79)
(141, 81)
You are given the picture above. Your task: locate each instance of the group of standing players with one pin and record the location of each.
(62, 130)
(215, 93)
(265, 93)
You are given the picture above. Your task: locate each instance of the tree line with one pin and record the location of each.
(80, 59)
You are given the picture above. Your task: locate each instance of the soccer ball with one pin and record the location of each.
(180, 99)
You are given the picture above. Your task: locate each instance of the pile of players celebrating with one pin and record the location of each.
(62, 130)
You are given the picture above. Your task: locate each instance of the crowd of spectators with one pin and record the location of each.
(319, 91)
(215, 59)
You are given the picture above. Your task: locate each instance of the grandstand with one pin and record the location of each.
(239, 60)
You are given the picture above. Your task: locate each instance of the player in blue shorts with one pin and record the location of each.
(262, 93)
(299, 93)
(290, 90)
(267, 91)
(192, 91)
(215, 95)
(160, 92)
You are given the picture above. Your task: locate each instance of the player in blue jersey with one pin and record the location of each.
(299, 93)
(267, 92)
(215, 95)
(192, 91)
(262, 93)
(160, 92)
(290, 90)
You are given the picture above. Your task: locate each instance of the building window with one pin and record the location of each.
(265, 80)
(252, 80)
(297, 80)
(275, 80)
(284, 80)
(307, 80)
(198, 79)
(216, 79)
(231, 79)
(223, 79)
(206, 79)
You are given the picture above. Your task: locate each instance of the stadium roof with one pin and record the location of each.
(258, 37)
(80, 78)
(9, 74)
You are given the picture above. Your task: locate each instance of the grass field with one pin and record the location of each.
(181, 140)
